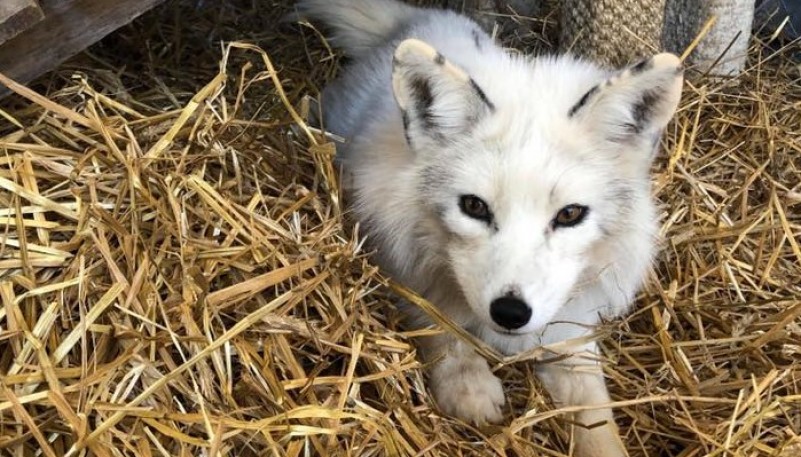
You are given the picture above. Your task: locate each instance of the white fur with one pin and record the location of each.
(521, 149)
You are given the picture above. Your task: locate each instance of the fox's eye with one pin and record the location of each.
(570, 215)
(475, 207)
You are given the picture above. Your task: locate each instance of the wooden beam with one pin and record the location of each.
(69, 27)
(16, 16)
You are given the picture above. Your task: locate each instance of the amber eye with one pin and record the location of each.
(475, 207)
(570, 215)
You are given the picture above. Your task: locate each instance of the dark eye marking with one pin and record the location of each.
(475, 207)
(570, 216)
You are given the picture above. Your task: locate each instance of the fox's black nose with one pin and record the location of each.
(510, 312)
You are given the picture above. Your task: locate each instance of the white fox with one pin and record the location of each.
(512, 192)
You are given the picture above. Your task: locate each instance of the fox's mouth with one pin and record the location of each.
(477, 329)
(507, 332)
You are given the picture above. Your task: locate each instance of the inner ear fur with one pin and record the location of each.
(637, 102)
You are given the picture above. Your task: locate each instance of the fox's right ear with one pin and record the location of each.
(437, 98)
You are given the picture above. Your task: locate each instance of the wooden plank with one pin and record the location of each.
(16, 16)
(69, 27)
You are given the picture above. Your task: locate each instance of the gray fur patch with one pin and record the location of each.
(423, 97)
(655, 142)
(476, 39)
(432, 179)
(582, 101)
(439, 59)
(405, 119)
(623, 197)
(642, 111)
(482, 95)
(641, 67)
(421, 93)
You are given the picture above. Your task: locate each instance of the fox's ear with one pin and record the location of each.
(437, 98)
(636, 104)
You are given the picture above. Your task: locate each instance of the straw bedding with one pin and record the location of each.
(177, 275)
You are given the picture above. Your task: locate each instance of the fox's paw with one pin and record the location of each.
(601, 441)
(468, 391)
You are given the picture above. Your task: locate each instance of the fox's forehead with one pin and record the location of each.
(534, 173)
(533, 89)
(532, 101)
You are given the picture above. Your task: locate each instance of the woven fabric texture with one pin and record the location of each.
(612, 32)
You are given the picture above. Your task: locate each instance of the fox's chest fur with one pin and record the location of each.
(512, 192)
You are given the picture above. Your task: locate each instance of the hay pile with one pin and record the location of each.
(176, 278)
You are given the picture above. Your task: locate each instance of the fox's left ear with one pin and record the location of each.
(636, 104)
(437, 98)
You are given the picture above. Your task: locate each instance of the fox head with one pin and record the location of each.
(535, 175)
